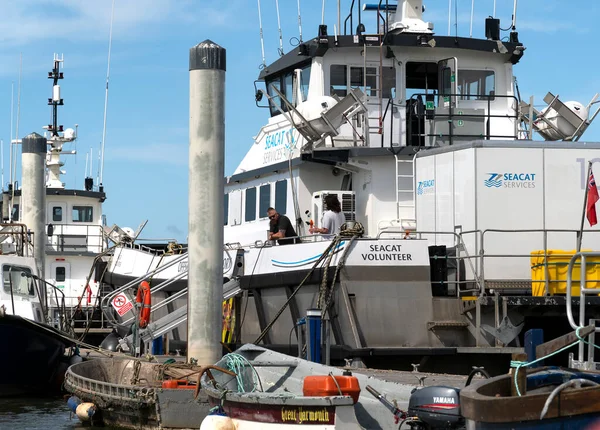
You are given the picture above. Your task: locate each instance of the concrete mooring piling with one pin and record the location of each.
(205, 195)
(33, 198)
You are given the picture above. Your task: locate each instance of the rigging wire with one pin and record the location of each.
(262, 40)
(279, 29)
(112, 15)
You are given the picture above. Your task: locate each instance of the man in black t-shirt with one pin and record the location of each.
(281, 227)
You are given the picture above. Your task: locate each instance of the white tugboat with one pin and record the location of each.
(75, 223)
(456, 218)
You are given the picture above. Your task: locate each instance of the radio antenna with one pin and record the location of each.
(262, 40)
(12, 119)
(299, 22)
(279, 28)
(494, 12)
(112, 15)
(323, 13)
(449, 16)
(472, 9)
(514, 17)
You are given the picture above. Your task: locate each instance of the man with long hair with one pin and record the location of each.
(333, 218)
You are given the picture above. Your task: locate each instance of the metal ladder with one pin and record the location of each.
(378, 75)
(403, 191)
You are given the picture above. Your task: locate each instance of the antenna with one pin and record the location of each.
(262, 39)
(514, 17)
(112, 15)
(299, 22)
(279, 28)
(449, 15)
(86, 164)
(472, 9)
(494, 12)
(456, 18)
(2, 160)
(12, 112)
(323, 13)
(339, 11)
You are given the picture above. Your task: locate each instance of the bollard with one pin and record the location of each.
(313, 326)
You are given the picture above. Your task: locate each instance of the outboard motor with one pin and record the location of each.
(436, 407)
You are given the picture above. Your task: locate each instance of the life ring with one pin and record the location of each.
(144, 298)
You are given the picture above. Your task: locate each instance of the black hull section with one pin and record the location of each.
(32, 359)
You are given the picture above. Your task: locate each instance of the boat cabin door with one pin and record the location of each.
(448, 82)
(60, 274)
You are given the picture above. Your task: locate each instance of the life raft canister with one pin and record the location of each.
(144, 298)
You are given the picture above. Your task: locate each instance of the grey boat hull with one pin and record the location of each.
(145, 405)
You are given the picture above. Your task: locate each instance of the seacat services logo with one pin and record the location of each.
(425, 187)
(494, 181)
(510, 180)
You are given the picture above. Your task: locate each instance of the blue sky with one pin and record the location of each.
(145, 173)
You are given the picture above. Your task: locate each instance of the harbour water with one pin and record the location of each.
(38, 414)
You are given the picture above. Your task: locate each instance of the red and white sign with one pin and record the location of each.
(122, 304)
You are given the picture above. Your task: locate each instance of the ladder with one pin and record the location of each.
(373, 96)
(405, 185)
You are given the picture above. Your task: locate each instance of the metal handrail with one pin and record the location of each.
(583, 290)
(108, 298)
(158, 288)
(544, 233)
(451, 116)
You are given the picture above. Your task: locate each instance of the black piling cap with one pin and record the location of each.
(33, 143)
(207, 55)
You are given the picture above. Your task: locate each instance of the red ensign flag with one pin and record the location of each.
(592, 198)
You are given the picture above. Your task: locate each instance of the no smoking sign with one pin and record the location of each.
(122, 304)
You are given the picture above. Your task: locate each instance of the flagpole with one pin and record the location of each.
(585, 197)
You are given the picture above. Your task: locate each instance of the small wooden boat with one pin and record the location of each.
(555, 398)
(273, 390)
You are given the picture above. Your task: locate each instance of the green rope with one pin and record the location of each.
(518, 364)
(237, 364)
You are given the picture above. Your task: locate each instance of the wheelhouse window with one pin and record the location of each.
(305, 81)
(265, 200)
(284, 83)
(250, 204)
(337, 80)
(476, 84)
(13, 280)
(281, 196)
(225, 208)
(343, 77)
(83, 214)
(15, 213)
(57, 213)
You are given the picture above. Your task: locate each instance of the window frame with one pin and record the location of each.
(82, 213)
(31, 291)
(281, 185)
(250, 209)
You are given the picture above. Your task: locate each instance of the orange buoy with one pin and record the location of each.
(330, 385)
(144, 298)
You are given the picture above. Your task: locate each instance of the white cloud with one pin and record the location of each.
(28, 21)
